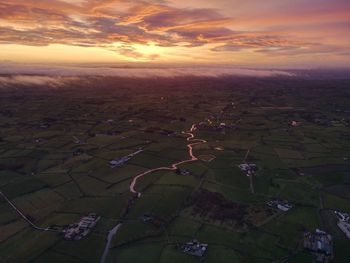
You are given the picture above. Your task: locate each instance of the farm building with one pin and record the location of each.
(195, 248)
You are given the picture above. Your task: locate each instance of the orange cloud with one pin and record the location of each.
(265, 27)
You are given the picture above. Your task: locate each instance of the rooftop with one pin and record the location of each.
(319, 243)
(195, 248)
(81, 229)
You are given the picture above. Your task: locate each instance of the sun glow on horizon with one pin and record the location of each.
(272, 32)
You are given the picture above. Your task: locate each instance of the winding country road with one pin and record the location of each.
(173, 167)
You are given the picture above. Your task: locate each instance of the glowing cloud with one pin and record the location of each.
(231, 31)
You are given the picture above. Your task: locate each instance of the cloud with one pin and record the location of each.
(255, 41)
(131, 52)
(183, 18)
(103, 23)
(60, 75)
(26, 80)
(276, 46)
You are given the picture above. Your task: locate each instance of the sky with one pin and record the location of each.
(261, 33)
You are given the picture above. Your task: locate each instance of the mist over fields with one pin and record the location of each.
(55, 75)
(137, 70)
(59, 75)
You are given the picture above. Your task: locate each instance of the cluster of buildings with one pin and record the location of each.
(320, 244)
(121, 161)
(282, 205)
(195, 248)
(81, 229)
(248, 168)
(343, 222)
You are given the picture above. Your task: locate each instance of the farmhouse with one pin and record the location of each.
(342, 216)
(82, 228)
(118, 162)
(320, 244)
(282, 205)
(245, 167)
(121, 161)
(295, 123)
(195, 248)
(345, 227)
(343, 222)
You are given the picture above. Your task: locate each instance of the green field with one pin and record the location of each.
(54, 180)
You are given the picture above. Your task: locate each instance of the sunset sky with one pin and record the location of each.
(288, 33)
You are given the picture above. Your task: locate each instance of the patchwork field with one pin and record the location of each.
(56, 147)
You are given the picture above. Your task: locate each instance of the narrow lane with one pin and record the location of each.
(24, 217)
(174, 166)
(111, 234)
